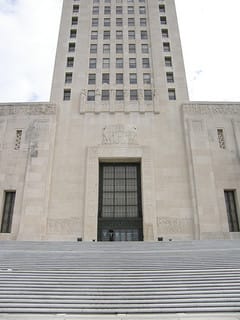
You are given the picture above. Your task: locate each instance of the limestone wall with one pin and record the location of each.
(25, 165)
(212, 168)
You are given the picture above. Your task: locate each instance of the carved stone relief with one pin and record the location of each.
(174, 225)
(63, 226)
(36, 132)
(119, 134)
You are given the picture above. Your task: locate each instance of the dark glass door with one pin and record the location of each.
(120, 205)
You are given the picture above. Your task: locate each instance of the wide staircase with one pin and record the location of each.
(119, 277)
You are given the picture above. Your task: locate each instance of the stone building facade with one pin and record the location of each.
(119, 153)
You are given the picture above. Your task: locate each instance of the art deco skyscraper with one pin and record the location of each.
(118, 82)
(119, 55)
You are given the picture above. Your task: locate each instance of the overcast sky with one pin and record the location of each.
(209, 32)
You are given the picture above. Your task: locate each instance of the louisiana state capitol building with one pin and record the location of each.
(119, 153)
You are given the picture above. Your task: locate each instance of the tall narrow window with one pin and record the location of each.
(71, 47)
(92, 78)
(18, 139)
(9, 199)
(67, 94)
(75, 8)
(70, 62)
(171, 94)
(231, 210)
(73, 33)
(168, 62)
(68, 77)
(170, 77)
(221, 139)
(105, 95)
(105, 78)
(91, 95)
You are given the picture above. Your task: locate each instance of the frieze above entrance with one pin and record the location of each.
(119, 134)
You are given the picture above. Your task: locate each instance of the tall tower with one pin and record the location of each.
(120, 165)
(125, 53)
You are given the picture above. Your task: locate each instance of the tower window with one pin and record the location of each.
(143, 22)
(93, 48)
(94, 35)
(119, 63)
(165, 33)
(144, 35)
(105, 95)
(106, 48)
(132, 48)
(231, 207)
(162, 8)
(74, 21)
(119, 10)
(133, 95)
(92, 63)
(105, 78)
(107, 22)
(163, 20)
(106, 63)
(75, 8)
(142, 10)
(73, 33)
(147, 95)
(107, 10)
(95, 10)
(91, 95)
(71, 47)
(119, 48)
(171, 94)
(145, 63)
(119, 34)
(119, 22)
(68, 77)
(131, 21)
(133, 78)
(132, 63)
(168, 61)
(166, 47)
(119, 78)
(119, 95)
(145, 48)
(8, 207)
(130, 10)
(67, 94)
(92, 78)
(221, 139)
(131, 34)
(106, 35)
(146, 78)
(170, 77)
(70, 62)
(94, 22)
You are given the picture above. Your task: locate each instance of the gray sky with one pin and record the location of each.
(209, 32)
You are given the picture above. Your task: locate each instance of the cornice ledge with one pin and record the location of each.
(29, 108)
(212, 108)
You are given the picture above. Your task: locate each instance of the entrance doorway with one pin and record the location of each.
(120, 203)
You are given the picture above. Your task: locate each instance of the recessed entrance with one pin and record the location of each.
(120, 204)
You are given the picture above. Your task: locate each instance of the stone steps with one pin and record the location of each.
(124, 278)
